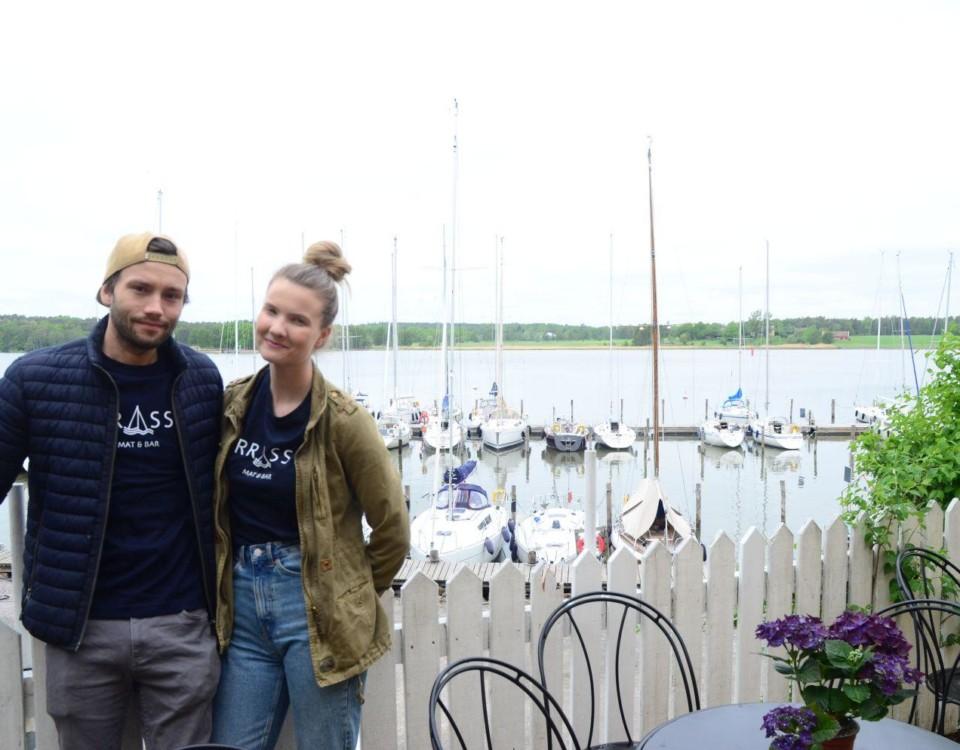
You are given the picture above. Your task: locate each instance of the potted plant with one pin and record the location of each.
(854, 669)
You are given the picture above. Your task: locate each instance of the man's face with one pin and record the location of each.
(145, 305)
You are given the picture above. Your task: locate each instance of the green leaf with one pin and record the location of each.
(826, 729)
(872, 710)
(856, 693)
(809, 672)
(784, 668)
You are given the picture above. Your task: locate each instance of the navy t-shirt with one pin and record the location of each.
(150, 564)
(261, 471)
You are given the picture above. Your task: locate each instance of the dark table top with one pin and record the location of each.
(738, 727)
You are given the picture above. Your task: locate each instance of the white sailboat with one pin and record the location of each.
(504, 427)
(612, 433)
(773, 431)
(734, 409)
(393, 425)
(461, 524)
(647, 514)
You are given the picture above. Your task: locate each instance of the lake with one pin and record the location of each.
(739, 489)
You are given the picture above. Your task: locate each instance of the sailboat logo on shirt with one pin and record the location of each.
(261, 461)
(137, 424)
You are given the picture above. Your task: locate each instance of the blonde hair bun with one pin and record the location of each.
(328, 256)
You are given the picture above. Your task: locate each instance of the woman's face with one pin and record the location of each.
(290, 326)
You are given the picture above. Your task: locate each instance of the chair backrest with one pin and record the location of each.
(488, 675)
(618, 607)
(924, 574)
(932, 619)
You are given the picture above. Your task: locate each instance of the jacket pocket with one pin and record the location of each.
(354, 624)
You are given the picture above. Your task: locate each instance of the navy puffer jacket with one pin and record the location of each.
(58, 407)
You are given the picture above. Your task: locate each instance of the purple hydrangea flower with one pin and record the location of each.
(888, 672)
(859, 629)
(794, 725)
(797, 631)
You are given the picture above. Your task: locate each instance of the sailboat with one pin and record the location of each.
(393, 425)
(461, 524)
(613, 433)
(728, 426)
(773, 431)
(647, 514)
(504, 427)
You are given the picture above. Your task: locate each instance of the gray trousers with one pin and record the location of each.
(167, 666)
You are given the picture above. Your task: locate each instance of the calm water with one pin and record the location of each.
(739, 489)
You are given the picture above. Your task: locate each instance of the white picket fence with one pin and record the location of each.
(716, 605)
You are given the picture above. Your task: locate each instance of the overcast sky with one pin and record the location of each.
(828, 128)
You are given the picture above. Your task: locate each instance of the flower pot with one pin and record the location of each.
(844, 740)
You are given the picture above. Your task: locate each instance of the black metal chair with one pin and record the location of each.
(925, 574)
(499, 675)
(930, 617)
(618, 606)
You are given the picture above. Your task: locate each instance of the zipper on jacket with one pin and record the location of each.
(211, 608)
(106, 510)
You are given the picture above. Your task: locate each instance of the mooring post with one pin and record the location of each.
(699, 494)
(590, 511)
(608, 533)
(783, 501)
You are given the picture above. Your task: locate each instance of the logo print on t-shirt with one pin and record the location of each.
(261, 461)
(137, 424)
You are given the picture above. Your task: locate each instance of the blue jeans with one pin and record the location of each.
(267, 666)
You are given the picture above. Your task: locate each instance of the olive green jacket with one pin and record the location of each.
(343, 472)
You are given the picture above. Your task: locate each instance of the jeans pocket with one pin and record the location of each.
(286, 559)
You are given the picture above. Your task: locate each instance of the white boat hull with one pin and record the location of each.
(777, 433)
(439, 438)
(550, 534)
(458, 540)
(722, 436)
(620, 439)
(395, 435)
(503, 433)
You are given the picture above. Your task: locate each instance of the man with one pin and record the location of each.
(120, 430)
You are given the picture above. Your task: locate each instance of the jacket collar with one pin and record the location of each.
(237, 407)
(169, 347)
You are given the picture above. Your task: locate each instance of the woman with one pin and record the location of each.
(298, 617)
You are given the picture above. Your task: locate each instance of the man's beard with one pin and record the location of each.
(128, 334)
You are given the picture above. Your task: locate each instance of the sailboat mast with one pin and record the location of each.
(610, 368)
(393, 315)
(740, 331)
(500, 321)
(453, 222)
(655, 324)
(766, 394)
(946, 313)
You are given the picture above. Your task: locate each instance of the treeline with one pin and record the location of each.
(20, 333)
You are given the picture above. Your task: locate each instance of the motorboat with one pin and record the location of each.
(777, 432)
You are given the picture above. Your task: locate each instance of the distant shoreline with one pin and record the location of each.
(592, 347)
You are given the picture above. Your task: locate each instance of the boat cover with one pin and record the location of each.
(459, 474)
(643, 508)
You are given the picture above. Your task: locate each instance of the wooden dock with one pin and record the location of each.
(442, 572)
